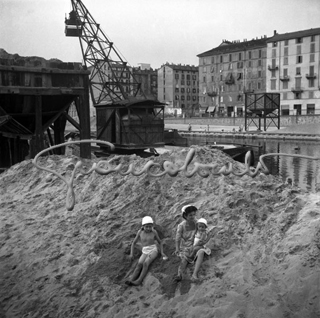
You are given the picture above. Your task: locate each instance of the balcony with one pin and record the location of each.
(273, 67)
(297, 89)
(212, 94)
(311, 76)
(285, 78)
(229, 81)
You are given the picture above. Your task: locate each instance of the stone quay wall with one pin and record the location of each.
(285, 121)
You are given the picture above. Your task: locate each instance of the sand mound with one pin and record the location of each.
(59, 263)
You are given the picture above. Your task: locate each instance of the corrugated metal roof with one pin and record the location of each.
(294, 35)
(229, 47)
(148, 103)
(9, 125)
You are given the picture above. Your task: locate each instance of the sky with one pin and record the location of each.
(151, 31)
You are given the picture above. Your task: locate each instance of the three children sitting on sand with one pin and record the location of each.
(148, 237)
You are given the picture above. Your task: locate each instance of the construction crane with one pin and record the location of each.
(124, 116)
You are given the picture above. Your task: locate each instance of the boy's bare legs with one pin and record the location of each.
(137, 269)
(198, 264)
(148, 260)
(136, 272)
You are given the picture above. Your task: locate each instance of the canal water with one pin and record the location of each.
(303, 172)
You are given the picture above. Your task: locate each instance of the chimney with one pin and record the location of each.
(274, 32)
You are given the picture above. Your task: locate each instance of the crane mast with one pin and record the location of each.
(111, 78)
(124, 116)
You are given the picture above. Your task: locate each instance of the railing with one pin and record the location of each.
(311, 76)
(297, 89)
(229, 81)
(212, 94)
(284, 78)
(272, 67)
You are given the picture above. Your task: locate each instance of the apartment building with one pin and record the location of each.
(293, 71)
(148, 78)
(178, 87)
(230, 70)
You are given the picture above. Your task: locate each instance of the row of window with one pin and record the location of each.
(230, 81)
(298, 72)
(194, 98)
(183, 82)
(182, 76)
(240, 65)
(310, 110)
(231, 66)
(285, 84)
(232, 57)
(239, 56)
(298, 50)
(297, 41)
(298, 95)
(188, 90)
(234, 88)
(299, 59)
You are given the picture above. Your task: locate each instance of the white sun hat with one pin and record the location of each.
(147, 220)
(204, 221)
(183, 209)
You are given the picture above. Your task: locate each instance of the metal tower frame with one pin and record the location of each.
(108, 84)
(125, 117)
(264, 106)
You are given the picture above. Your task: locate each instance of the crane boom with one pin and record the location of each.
(124, 116)
(111, 78)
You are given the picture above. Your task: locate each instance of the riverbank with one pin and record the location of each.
(285, 121)
(298, 132)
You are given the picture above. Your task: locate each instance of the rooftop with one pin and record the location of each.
(294, 35)
(182, 67)
(236, 46)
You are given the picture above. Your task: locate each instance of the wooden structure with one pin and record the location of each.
(35, 96)
(135, 125)
(264, 106)
(125, 117)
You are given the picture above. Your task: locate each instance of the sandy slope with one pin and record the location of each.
(59, 263)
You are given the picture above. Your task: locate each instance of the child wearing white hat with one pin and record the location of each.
(148, 237)
(201, 237)
(201, 234)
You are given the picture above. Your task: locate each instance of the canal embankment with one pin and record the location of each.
(293, 132)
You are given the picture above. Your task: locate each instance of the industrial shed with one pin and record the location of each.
(35, 97)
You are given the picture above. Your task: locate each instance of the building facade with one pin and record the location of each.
(293, 71)
(148, 78)
(230, 70)
(178, 87)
